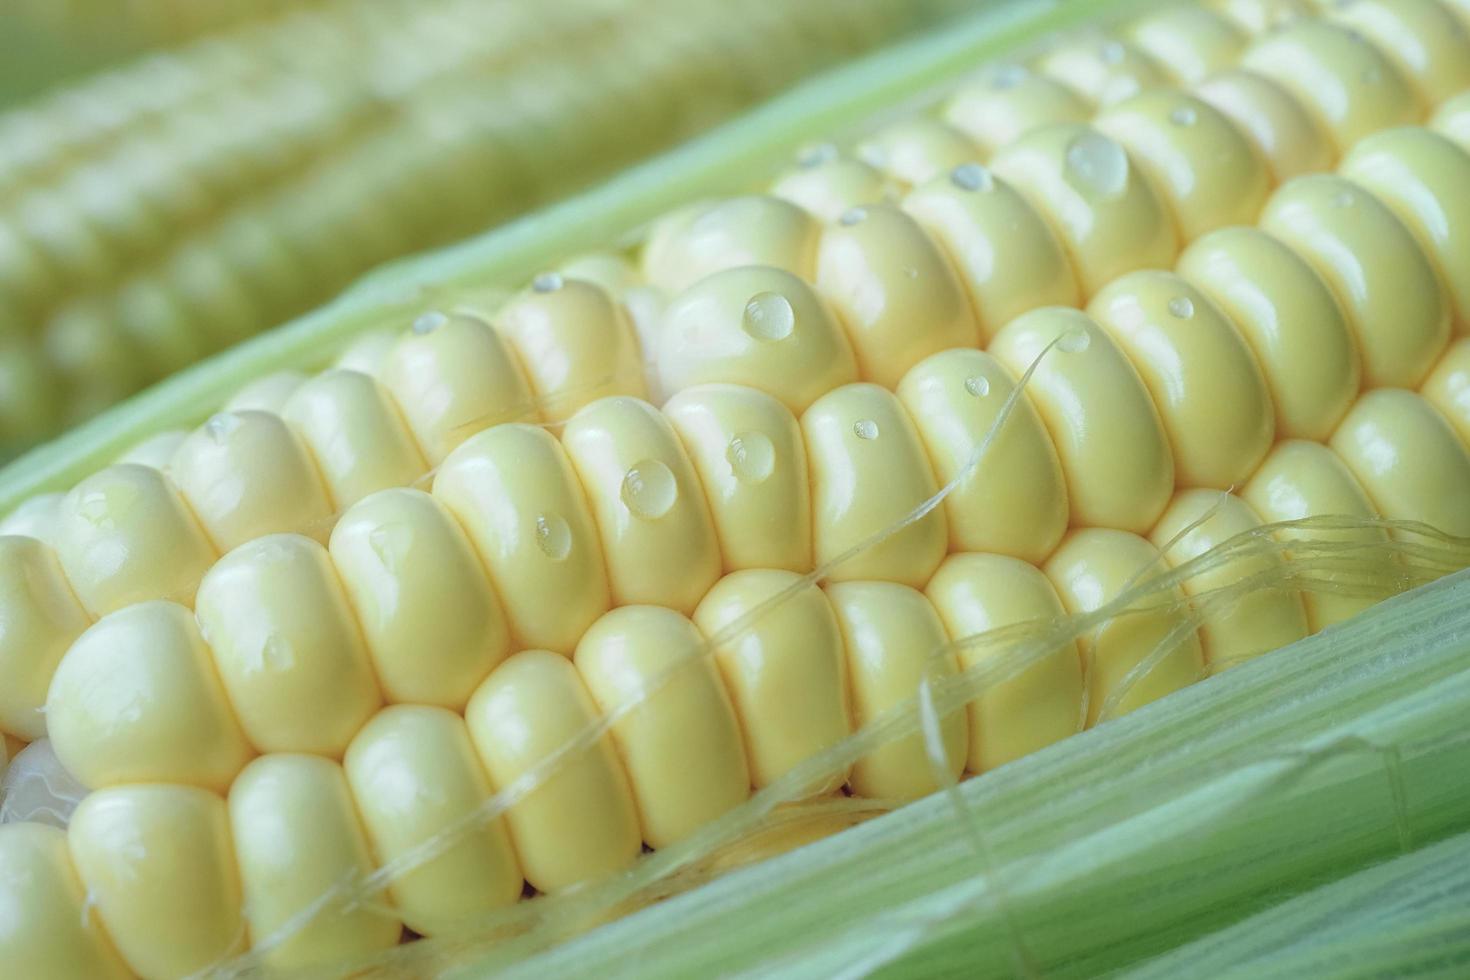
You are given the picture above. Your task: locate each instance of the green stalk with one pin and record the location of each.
(1113, 847)
(722, 160)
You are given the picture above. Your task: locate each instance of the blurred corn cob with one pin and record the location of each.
(159, 212)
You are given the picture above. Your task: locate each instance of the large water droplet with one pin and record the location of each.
(769, 316)
(1098, 164)
(1183, 115)
(865, 429)
(751, 455)
(979, 385)
(553, 536)
(1074, 341)
(971, 177)
(221, 426)
(429, 322)
(649, 489)
(391, 544)
(1181, 307)
(547, 282)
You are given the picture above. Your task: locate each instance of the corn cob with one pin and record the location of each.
(139, 233)
(593, 517)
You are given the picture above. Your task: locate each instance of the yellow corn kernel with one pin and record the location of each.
(40, 617)
(46, 932)
(1008, 257)
(288, 650)
(695, 243)
(453, 376)
(34, 518)
(1007, 102)
(784, 667)
(1260, 16)
(869, 470)
(1208, 388)
(1303, 479)
(579, 822)
(1187, 41)
(1094, 566)
(613, 271)
(750, 460)
(1097, 200)
(1396, 305)
(267, 393)
(917, 148)
(368, 352)
(657, 536)
(1103, 69)
(124, 536)
(1013, 498)
(156, 451)
(37, 787)
(759, 326)
(137, 700)
(678, 740)
(431, 621)
(894, 290)
(415, 776)
(1233, 628)
(1420, 37)
(245, 474)
(301, 846)
(1448, 387)
(1421, 176)
(828, 185)
(356, 435)
(1452, 118)
(156, 864)
(1342, 79)
(1288, 137)
(1041, 703)
(1408, 459)
(895, 643)
(519, 500)
(1107, 432)
(645, 306)
(575, 343)
(1291, 320)
(1206, 170)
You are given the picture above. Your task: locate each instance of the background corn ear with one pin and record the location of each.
(169, 208)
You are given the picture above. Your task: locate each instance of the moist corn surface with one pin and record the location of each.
(527, 543)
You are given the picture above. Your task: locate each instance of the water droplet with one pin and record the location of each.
(972, 177)
(649, 489)
(221, 426)
(865, 429)
(853, 216)
(1183, 115)
(1074, 341)
(979, 385)
(1098, 163)
(1008, 76)
(769, 316)
(911, 272)
(429, 322)
(553, 536)
(1342, 199)
(548, 282)
(1112, 53)
(276, 653)
(873, 155)
(391, 544)
(1181, 307)
(751, 455)
(816, 155)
